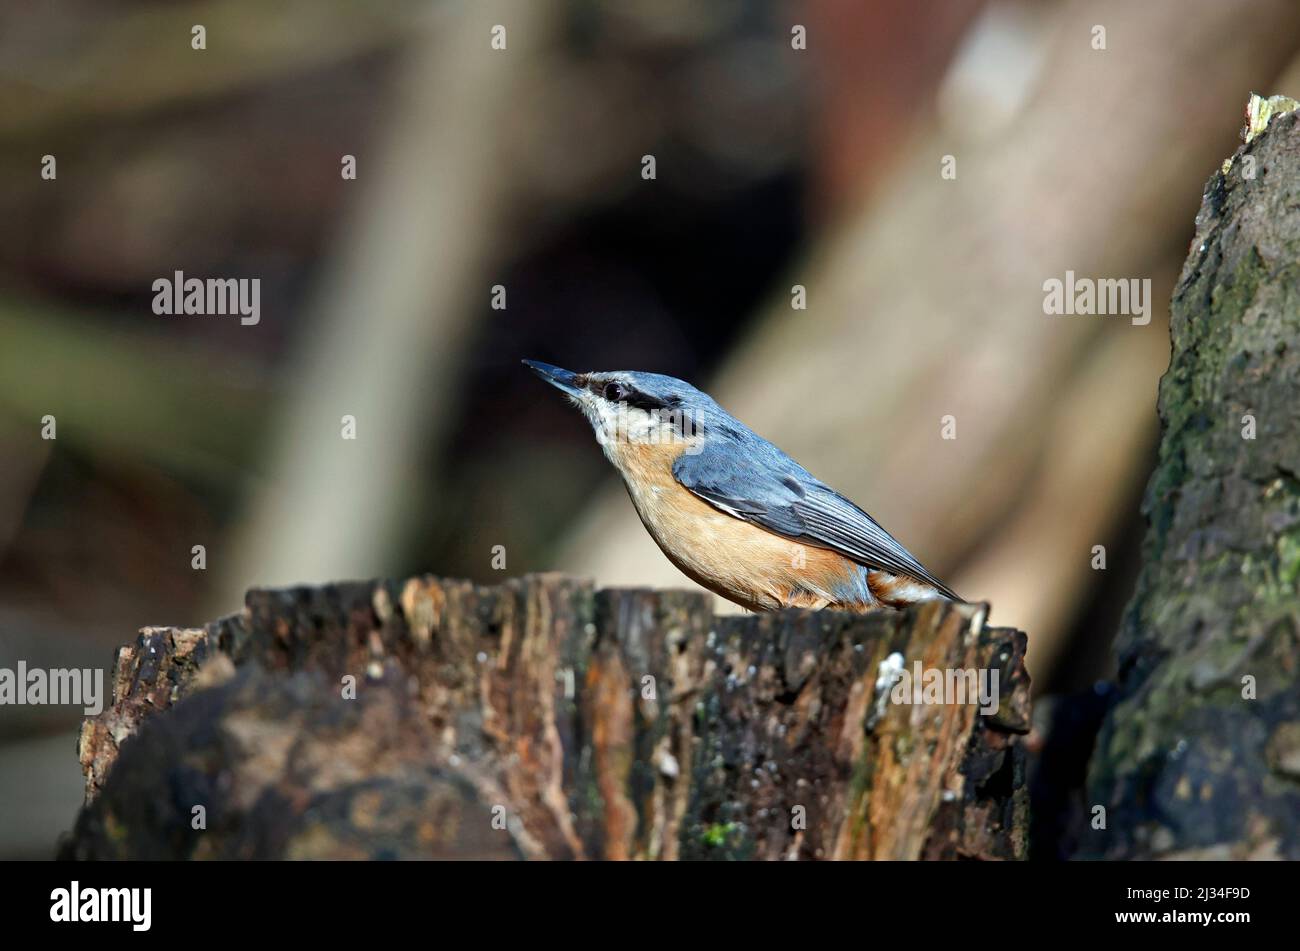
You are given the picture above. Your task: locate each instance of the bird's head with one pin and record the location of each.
(632, 407)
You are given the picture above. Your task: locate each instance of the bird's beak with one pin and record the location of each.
(562, 380)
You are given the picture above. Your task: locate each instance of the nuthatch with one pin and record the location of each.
(731, 510)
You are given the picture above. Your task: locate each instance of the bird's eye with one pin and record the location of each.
(615, 392)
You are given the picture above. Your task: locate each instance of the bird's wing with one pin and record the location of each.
(780, 496)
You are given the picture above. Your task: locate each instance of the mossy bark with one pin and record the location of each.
(1201, 755)
(541, 719)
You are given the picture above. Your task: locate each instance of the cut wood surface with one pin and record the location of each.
(539, 719)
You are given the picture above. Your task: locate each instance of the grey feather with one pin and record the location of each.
(747, 477)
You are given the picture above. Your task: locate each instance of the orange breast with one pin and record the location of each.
(734, 558)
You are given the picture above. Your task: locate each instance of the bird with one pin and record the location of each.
(732, 511)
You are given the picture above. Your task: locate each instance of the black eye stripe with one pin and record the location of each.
(644, 401)
(618, 392)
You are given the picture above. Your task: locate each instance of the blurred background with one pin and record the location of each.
(794, 144)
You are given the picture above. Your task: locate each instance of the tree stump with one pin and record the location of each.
(434, 718)
(1201, 755)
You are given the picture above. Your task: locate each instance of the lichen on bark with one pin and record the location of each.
(1198, 757)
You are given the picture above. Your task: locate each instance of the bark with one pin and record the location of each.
(1201, 756)
(540, 719)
